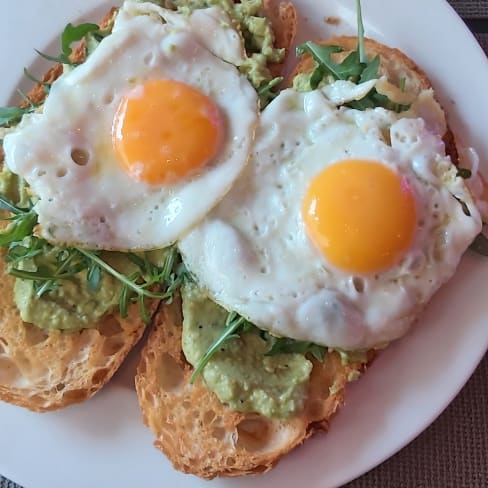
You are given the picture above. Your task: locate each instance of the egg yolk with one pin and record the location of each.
(360, 214)
(164, 131)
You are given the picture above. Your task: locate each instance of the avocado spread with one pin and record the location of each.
(256, 31)
(69, 306)
(241, 374)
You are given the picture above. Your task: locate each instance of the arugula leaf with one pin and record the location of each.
(361, 49)
(266, 92)
(370, 72)
(356, 67)
(131, 283)
(44, 84)
(71, 261)
(124, 301)
(480, 244)
(464, 173)
(9, 115)
(283, 345)
(403, 83)
(322, 55)
(234, 326)
(71, 34)
(94, 276)
(316, 77)
(21, 226)
(19, 251)
(6, 204)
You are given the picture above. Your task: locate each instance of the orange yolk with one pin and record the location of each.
(165, 131)
(360, 214)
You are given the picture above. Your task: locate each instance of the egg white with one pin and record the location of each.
(97, 205)
(252, 253)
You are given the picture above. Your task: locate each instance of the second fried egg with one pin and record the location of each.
(342, 226)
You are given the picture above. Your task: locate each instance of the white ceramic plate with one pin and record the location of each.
(103, 442)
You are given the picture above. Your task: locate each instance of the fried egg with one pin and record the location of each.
(342, 226)
(137, 144)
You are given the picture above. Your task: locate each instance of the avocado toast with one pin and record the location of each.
(224, 441)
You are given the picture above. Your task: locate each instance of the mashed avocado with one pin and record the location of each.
(72, 305)
(241, 374)
(69, 306)
(256, 31)
(13, 187)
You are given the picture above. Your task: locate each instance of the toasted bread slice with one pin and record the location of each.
(46, 370)
(202, 436)
(193, 428)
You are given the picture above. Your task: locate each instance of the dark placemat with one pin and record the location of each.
(452, 452)
(471, 8)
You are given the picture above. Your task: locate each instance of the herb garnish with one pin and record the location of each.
(283, 345)
(44, 84)
(236, 325)
(356, 67)
(267, 92)
(71, 34)
(11, 115)
(464, 173)
(137, 287)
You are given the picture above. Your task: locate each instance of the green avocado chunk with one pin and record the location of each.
(241, 374)
(256, 31)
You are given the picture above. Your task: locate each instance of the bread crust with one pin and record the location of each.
(202, 436)
(46, 370)
(283, 18)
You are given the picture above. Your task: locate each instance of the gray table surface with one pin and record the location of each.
(453, 451)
